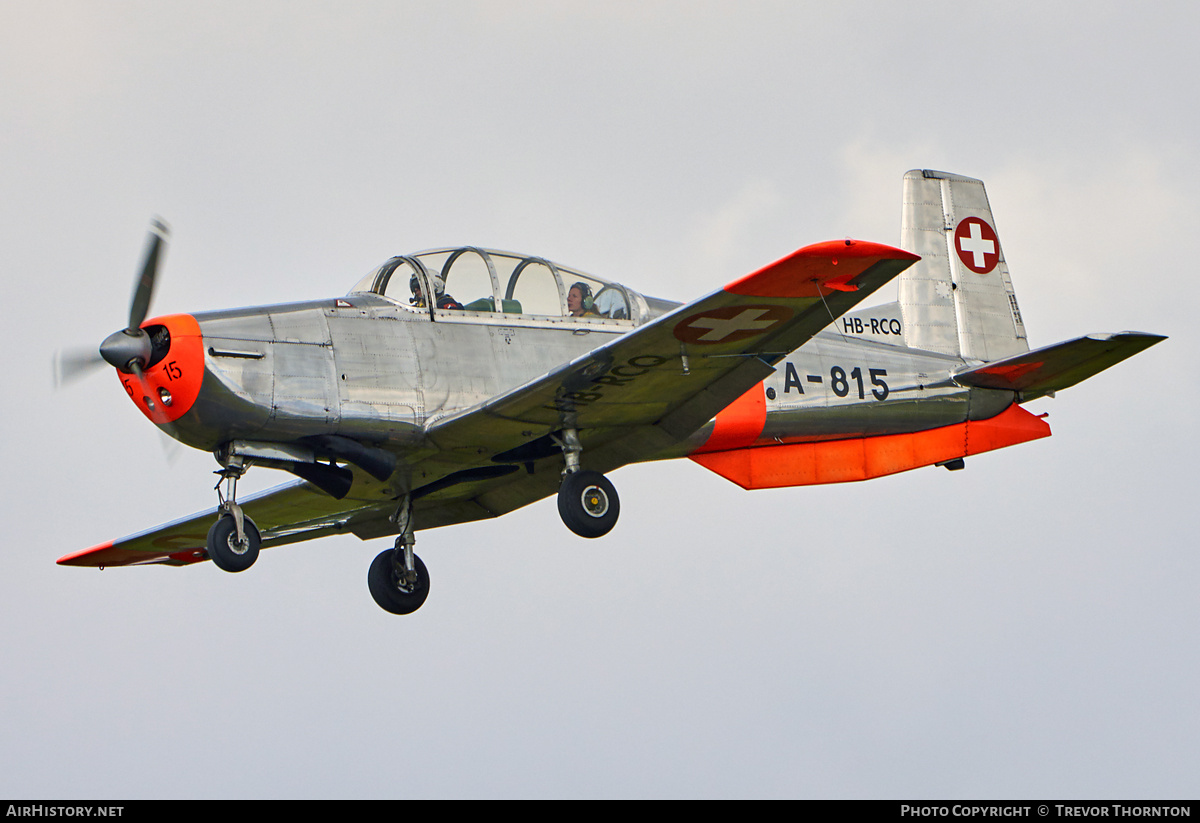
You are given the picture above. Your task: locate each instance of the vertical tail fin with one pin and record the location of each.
(959, 298)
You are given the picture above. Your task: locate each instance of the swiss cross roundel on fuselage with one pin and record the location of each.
(977, 245)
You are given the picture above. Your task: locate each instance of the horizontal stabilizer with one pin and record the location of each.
(1050, 369)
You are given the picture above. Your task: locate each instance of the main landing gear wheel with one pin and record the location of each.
(226, 551)
(588, 503)
(390, 592)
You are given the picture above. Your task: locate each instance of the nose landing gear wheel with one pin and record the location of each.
(226, 551)
(588, 503)
(390, 592)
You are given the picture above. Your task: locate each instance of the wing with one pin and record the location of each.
(286, 514)
(1053, 368)
(675, 373)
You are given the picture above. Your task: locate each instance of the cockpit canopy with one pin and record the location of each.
(475, 280)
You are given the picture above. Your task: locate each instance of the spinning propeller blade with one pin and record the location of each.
(129, 350)
(143, 289)
(73, 364)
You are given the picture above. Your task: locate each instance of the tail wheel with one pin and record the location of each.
(391, 592)
(226, 551)
(588, 503)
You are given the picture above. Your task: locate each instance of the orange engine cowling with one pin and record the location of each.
(170, 382)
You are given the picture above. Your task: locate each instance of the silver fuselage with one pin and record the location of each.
(369, 368)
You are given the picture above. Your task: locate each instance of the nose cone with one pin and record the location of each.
(171, 376)
(121, 348)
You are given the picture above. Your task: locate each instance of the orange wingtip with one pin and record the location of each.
(106, 554)
(83, 558)
(817, 269)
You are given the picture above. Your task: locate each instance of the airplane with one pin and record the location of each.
(460, 384)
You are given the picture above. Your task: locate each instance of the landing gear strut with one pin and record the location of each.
(397, 578)
(233, 541)
(587, 501)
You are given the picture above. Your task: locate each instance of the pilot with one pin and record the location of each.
(579, 300)
(444, 301)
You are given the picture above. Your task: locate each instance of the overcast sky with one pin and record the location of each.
(1027, 627)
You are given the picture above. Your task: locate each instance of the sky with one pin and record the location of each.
(1024, 628)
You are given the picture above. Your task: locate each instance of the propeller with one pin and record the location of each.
(127, 350)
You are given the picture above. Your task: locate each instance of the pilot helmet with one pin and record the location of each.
(439, 286)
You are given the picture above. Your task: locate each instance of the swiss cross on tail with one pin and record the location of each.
(977, 245)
